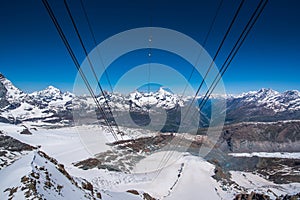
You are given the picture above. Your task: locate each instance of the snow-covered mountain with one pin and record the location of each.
(161, 98)
(12, 93)
(51, 105)
(140, 100)
(53, 164)
(38, 162)
(268, 98)
(46, 105)
(42, 177)
(51, 95)
(264, 105)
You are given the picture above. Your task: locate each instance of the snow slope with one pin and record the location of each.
(253, 182)
(36, 176)
(13, 93)
(271, 99)
(294, 155)
(187, 177)
(54, 106)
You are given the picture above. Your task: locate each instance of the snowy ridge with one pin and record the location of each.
(49, 94)
(271, 99)
(43, 105)
(53, 106)
(135, 100)
(52, 97)
(13, 94)
(38, 176)
(294, 155)
(54, 175)
(161, 99)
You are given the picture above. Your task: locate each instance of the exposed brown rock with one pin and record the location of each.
(26, 132)
(88, 163)
(98, 194)
(88, 186)
(133, 192)
(148, 197)
(252, 196)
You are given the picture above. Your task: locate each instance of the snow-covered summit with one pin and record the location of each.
(50, 93)
(17, 105)
(161, 99)
(12, 93)
(262, 93)
(271, 99)
(55, 104)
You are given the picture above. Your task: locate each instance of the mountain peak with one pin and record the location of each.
(163, 90)
(262, 93)
(50, 92)
(12, 92)
(267, 91)
(292, 92)
(1, 76)
(53, 89)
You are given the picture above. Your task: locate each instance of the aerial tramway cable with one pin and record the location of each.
(253, 19)
(199, 55)
(92, 67)
(167, 156)
(233, 52)
(95, 43)
(259, 9)
(203, 45)
(217, 52)
(74, 59)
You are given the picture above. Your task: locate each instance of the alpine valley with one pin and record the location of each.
(42, 156)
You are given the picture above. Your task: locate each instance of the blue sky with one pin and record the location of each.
(33, 56)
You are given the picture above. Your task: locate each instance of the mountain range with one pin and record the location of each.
(54, 106)
(41, 162)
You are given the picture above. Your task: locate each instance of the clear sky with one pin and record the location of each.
(33, 56)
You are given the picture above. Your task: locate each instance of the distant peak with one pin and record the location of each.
(264, 90)
(50, 87)
(165, 90)
(291, 93)
(259, 93)
(49, 91)
(149, 87)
